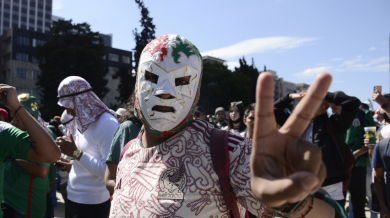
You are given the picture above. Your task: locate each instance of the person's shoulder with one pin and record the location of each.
(238, 141)
(4, 126)
(107, 119)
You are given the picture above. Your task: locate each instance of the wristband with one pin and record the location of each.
(16, 111)
(384, 105)
(355, 155)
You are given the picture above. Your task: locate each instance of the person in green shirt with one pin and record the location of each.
(25, 182)
(128, 129)
(354, 139)
(34, 145)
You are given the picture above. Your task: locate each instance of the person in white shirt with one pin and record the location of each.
(89, 146)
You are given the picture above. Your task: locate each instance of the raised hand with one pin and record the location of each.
(9, 96)
(377, 97)
(285, 168)
(67, 145)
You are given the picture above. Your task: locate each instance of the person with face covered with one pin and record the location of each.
(167, 170)
(69, 125)
(89, 146)
(236, 123)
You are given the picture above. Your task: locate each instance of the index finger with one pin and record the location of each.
(298, 121)
(265, 122)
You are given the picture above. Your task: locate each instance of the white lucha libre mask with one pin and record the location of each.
(168, 82)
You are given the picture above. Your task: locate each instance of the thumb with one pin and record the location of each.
(291, 189)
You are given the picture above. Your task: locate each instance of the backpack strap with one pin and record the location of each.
(383, 145)
(221, 163)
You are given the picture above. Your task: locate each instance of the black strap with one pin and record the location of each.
(73, 94)
(220, 159)
(68, 121)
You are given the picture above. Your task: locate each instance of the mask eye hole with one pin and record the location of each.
(151, 77)
(182, 81)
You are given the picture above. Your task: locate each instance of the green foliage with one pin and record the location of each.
(126, 83)
(252, 72)
(73, 50)
(220, 86)
(147, 33)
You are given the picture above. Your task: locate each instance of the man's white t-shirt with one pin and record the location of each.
(86, 179)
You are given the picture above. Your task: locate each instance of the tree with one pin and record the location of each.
(252, 72)
(126, 83)
(220, 86)
(73, 50)
(146, 35)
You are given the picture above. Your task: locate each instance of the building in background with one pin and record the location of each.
(282, 88)
(18, 66)
(212, 60)
(115, 59)
(33, 15)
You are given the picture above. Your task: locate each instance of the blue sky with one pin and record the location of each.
(298, 39)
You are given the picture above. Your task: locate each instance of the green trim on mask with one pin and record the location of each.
(186, 47)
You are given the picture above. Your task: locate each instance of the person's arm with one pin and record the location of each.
(359, 152)
(103, 136)
(110, 176)
(34, 168)
(350, 107)
(381, 100)
(279, 109)
(43, 148)
(380, 188)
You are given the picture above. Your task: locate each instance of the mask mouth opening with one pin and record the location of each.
(163, 109)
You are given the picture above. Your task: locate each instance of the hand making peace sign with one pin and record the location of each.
(285, 168)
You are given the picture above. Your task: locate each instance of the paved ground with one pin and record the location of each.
(59, 210)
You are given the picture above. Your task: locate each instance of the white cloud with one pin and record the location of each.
(232, 64)
(372, 48)
(314, 71)
(337, 59)
(358, 64)
(258, 45)
(367, 64)
(57, 5)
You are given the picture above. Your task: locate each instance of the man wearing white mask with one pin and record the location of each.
(167, 170)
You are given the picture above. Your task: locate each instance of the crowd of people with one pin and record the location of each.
(163, 156)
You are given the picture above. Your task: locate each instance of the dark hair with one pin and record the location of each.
(364, 106)
(241, 112)
(248, 109)
(384, 116)
(129, 113)
(54, 123)
(387, 96)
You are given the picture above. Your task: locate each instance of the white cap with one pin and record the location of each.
(120, 111)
